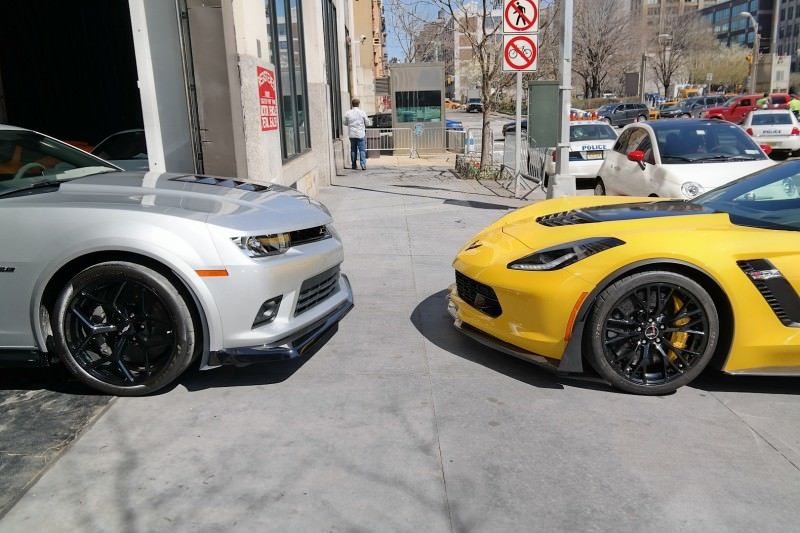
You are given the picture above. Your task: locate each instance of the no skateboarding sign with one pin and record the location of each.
(520, 16)
(520, 53)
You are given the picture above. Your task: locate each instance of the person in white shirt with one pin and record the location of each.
(357, 121)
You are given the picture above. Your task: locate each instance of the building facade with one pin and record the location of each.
(654, 14)
(368, 42)
(249, 88)
(732, 28)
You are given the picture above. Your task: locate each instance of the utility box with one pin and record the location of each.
(544, 114)
(418, 103)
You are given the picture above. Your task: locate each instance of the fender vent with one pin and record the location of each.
(224, 182)
(779, 294)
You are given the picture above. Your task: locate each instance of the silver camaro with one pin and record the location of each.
(129, 278)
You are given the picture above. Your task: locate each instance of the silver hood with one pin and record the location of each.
(227, 202)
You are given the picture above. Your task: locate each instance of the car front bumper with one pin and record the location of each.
(304, 342)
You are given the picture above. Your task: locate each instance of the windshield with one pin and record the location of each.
(730, 101)
(704, 142)
(27, 157)
(768, 199)
(586, 132)
(770, 119)
(474, 100)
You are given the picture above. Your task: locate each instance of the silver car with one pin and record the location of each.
(129, 278)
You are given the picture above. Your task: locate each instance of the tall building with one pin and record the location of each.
(434, 44)
(368, 42)
(789, 31)
(732, 28)
(654, 14)
(465, 70)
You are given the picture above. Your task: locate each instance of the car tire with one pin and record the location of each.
(546, 181)
(123, 329)
(641, 118)
(599, 188)
(686, 115)
(779, 155)
(652, 332)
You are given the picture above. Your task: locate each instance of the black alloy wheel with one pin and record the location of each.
(123, 329)
(653, 332)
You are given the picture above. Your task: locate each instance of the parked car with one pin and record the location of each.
(737, 107)
(511, 127)
(452, 124)
(129, 278)
(589, 143)
(777, 128)
(706, 102)
(647, 292)
(622, 114)
(380, 120)
(682, 110)
(474, 104)
(678, 158)
(126, 149)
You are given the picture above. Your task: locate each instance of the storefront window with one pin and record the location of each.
(419, 106)
(285, 29)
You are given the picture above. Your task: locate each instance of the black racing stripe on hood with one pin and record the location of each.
(635, 211)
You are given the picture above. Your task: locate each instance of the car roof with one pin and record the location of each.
(770, 111)
(587, 122)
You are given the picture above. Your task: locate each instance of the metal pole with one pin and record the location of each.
(518, 137)
(756, 46)
(562, 183)
(642, 71)
(774, 45)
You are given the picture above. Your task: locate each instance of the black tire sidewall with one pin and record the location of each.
(599, 183)
(170, 297)
(606, 302)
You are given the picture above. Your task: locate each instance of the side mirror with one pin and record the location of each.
(767, 148)
(637, 156)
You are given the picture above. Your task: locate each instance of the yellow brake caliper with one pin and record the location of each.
(678, 338)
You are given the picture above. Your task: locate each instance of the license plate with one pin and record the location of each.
(770, 132)
(596, 154)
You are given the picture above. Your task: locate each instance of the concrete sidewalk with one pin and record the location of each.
(401, 424)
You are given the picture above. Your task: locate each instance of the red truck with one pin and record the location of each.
(737, 108)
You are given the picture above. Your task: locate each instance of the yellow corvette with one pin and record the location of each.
(647, 292)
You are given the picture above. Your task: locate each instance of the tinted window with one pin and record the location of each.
(707, 143)
(745, 101)
(637, 136)
(765, 119)
(25, 156)
(769, 199)
(778, 99)
(591, 131)
(128, 145)
(622, 143)
(646, 146)
(419, 106)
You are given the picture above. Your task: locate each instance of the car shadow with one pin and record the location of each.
(715, 381)
(433, 321)
(239, 376)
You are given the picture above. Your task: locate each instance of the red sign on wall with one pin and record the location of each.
(267, 99)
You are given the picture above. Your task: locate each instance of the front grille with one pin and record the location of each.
(564, 218)
(307, 236)
(766, 291)
(317, 289)
(223, 182)
(480, 296)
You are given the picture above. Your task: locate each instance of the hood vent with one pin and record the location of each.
(224, 182)
(565, 218)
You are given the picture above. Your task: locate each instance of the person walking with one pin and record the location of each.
(357, 121)
(763, 102)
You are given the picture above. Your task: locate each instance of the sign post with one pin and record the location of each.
(563, 184)
(520, 54)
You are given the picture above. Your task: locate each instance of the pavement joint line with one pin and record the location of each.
(756, 432)
(430, 383)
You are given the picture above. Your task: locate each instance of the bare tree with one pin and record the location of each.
(601, 43)
(405, 21)
(682, 37)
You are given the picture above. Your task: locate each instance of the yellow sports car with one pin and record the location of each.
(646, 292)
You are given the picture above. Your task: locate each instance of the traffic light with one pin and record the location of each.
(749, 58)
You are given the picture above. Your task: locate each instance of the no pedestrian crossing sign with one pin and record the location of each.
(520, 16)
(520, 53)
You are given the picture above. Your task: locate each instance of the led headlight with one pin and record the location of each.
(564, 254)
(263, 245)
(691, 189)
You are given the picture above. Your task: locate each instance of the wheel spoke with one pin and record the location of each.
(621, 337)
(663, 306)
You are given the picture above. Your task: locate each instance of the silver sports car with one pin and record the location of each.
(129, 278)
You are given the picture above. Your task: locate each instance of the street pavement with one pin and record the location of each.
(402, 424)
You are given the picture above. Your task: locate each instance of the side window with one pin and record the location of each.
(646, 146)
(637, 136)
(778, 99)
(744, 102)
(622, 143)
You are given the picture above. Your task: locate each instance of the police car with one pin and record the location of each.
(589, 141)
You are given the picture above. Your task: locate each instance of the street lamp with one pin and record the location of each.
(756, 39)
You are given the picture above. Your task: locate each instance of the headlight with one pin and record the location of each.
(691, 189)
(564, 254)
(263, 245)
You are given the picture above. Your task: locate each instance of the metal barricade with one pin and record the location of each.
(456, 141)
(388, 141)
(431, 141)
(532, 162)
